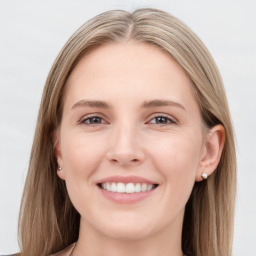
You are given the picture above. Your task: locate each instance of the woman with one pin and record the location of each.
(133, 120)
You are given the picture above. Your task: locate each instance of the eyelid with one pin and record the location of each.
(171, 118)
(85, 117)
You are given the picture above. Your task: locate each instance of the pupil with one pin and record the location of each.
(96, 120)
(161, 120)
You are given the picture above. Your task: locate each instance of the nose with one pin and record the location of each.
(125, 147)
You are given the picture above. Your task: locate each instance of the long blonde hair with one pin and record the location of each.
(48, 221)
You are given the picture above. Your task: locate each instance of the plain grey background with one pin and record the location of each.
(33, 32)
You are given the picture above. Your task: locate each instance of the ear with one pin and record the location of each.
(211, 151)
(57, 152)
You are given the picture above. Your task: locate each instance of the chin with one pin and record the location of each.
(126, 230)
(128, 234)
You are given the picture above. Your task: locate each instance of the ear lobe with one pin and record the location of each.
(212, 150)
(61, 174)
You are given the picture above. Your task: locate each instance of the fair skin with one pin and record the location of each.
(129, 110)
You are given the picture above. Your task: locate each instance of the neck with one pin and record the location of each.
(162, 243)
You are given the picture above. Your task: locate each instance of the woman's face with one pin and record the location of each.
(130, 123)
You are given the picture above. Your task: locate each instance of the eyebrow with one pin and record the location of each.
(146, 104)
(162, 103)
(91, 103)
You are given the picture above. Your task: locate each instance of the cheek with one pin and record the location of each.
(81, 158)
(178, 153)
(178, 159)
(81, 154)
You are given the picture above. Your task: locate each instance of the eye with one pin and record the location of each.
(162, 120)
(94, 120)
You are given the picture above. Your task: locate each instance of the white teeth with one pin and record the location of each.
(108, 187)
(113, 187)
(137, 187)
(120, 188)
(144, 187)
(150, 187)
(127, 188)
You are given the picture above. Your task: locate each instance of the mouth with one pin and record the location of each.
(129, 188)
(126, 189)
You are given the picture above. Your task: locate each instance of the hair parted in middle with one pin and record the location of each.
(48, 221)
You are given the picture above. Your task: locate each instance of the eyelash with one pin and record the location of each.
(83, 121)
(168, 120)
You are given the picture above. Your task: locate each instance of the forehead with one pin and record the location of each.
(128, 70)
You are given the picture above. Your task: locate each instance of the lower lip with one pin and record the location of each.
(126, 198)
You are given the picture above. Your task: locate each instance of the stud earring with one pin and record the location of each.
(59, 168)
(204, 176)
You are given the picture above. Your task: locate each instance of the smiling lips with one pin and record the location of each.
(128, 189)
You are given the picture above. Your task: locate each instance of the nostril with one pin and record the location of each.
(124, 158)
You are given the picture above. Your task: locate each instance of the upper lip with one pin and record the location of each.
(126, 179)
